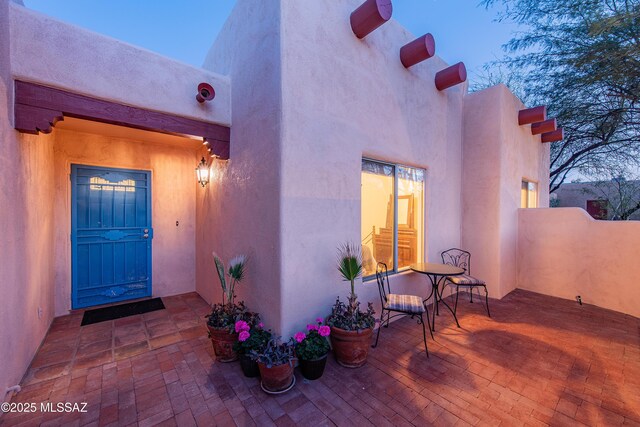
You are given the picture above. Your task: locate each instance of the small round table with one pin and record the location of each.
(436, 273)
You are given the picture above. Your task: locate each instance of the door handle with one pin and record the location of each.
(145, 235)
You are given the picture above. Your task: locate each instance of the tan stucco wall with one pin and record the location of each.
(173, 189)
(564, 252)
(26, 232)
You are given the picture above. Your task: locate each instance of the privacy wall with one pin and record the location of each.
(564, 252)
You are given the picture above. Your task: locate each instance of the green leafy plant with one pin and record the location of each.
(350, 263)
(348, 316)
(224, 315)
(236, 273)
(275, 353)
(313, 344)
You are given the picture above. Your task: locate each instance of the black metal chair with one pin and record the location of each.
(461, 258)
(403, 305)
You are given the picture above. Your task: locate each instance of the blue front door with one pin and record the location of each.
(110, 235)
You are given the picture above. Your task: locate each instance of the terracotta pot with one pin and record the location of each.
(276, 378)
(223, 342)
(351, 347)
(249, 366)
(313, 369)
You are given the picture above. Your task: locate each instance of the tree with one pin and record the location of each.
(621, 196)
(581, 58)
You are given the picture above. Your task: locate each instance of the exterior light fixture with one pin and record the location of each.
(202, 172)
(205, 92)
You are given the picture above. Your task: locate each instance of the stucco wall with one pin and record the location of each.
(345, 98)
(239, 213)
(498, 154)
(173, 190)
(564, 252)
(57, 54)
(26, 240)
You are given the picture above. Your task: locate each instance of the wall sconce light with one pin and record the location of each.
(202, 172)
(205, 92)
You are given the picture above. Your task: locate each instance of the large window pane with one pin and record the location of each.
(392, 216)
(377, 215)
(410, 216)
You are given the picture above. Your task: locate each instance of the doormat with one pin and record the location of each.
(122, 310)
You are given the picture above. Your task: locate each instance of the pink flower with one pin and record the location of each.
(300, 336)
(319, 319)
(324, 331)
(260, 325)
(312, 327)
(241, 325)
(244, 335)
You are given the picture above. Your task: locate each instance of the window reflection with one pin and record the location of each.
(397, 240)
(98, 183)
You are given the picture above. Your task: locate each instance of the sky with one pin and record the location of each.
(184, 30)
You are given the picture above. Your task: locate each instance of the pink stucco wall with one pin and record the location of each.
(26, 240)
(34, 267)
(54, 53)
(345, 99)
(173, 188)
(291, 193)
(498, 154)
(239, 213)
(564, 252)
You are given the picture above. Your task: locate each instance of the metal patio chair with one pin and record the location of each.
(461, 258)
(402, 305)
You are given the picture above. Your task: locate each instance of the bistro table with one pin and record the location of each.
(437, 273)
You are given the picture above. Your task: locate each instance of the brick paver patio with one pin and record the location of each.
(538, 361)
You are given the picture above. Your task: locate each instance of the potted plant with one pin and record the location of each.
(275, 362)
(251, 337)
(221, 322)
(351, 328)
(312, 349)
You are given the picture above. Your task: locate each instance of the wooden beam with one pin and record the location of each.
(554, 136)
(532, 115)
(418, 50)
(370, 15)
(451, 76)
(37, 108)
(543, 127)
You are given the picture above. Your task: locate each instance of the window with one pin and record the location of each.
(392, 216)
(529, 194)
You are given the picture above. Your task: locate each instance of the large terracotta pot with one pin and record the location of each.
(351, 347)
(313, 369)
(223, 341)
(276, 378)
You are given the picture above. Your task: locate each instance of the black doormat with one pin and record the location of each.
(122, 310)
